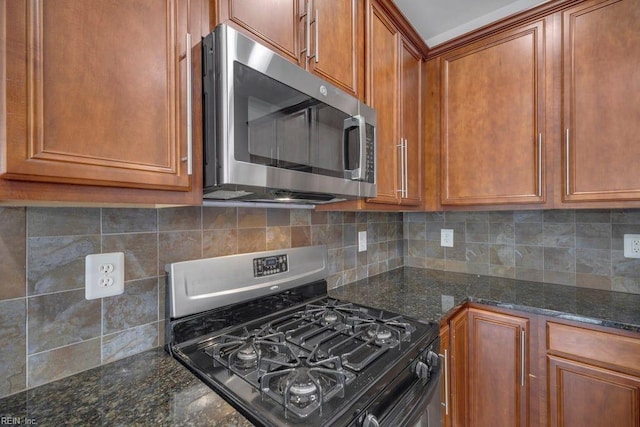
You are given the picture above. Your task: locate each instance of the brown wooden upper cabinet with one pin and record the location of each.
(493, 119)
(324, 36)
(601, 101)
(394, 86)
(97, 95)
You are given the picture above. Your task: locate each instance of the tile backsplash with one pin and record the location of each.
(569, 247)
(48, 330)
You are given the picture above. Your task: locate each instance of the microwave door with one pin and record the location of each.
(353, 141)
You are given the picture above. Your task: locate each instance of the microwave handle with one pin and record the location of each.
(349, 124)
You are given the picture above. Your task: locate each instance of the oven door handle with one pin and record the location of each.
(406, 410)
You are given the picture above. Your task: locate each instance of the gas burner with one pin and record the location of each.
(303, 388)
(250, 352)
(382, 335)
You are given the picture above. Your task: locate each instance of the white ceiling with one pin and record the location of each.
(438, 21)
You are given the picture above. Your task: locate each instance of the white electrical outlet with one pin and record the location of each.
(104, 275)
(362, 241)
(632, 245)
(446, 237)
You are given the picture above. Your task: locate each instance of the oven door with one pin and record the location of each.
(409, 400)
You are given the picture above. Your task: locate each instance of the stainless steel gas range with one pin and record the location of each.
(261, 331)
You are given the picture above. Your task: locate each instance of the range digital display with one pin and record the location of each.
(269, 265)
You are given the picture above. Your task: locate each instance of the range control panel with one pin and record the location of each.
(269, 265)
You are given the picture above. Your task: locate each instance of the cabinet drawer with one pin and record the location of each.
(607, 348)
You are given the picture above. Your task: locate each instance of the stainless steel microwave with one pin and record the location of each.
(274, 132)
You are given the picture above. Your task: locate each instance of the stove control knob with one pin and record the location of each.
(432, 359)
(422, 370)
(370, 421)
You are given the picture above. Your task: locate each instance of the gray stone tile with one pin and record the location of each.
(178, 246)
(140, 253)
(13, 334)
(13, 253)
(477, 253)
(529, 258)
(590, 216)
(138, 305)
(560, 216)
(625, 216)
(300, 217)
(60, 319)
(336, 260)
(417, 248)
(528, 216)
(219, 242)
(530, 234)
(559, 260)
(219, 218)
(625, 284)
(503, 255)
(560, 278)
(57, 263)
(625, 267)
(278, 218)
(477, 232)
(45, 222)
(502, 233)
(501, 216)
(127, 220)
(593, 236)
(180, 219)
(420, 217)
(132, 341)
(559, 235)
(417, 231)
(593, 261)
(64, 361)
(617, 234)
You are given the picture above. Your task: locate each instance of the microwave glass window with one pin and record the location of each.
(278, 126)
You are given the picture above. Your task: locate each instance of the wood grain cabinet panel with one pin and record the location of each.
(498, 379)
(324, 36)
(492, 123)
(584, 395)
(394, 90)
(97, 93)
(601, 105)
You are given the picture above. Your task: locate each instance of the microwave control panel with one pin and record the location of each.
(370, 167)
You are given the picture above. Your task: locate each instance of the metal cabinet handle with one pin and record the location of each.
(307, 48)
(566, 166)
(446, 382)
(406, 168)
(317, 52)
(189, 158)
(523, 356)
(401, 149)
(540, 164)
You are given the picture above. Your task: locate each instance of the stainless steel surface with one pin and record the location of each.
(244, 180)
(406, 167)
(199, 285)
(371, 421)
(307, 49)
(446, 382)
(189, 106)
(523, 357)
(316, 54)
(540, 164)
(401, 159)
(566, 165)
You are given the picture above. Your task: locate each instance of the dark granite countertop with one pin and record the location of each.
(433, 295)
(151, 388)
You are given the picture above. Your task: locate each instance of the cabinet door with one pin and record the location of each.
(601, 102)
(336, 43)
(274, 22)
(97, 93)
(493, 120)
(459, 361)
(498, 372)
(585, 395)
(383, 77)
(410, 119)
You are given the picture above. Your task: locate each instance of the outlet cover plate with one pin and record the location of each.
(362, 241)
(632, 245)
(446, 238)
(104, 275)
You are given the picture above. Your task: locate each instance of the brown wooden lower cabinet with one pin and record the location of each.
(509, 368)
(585, 395)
